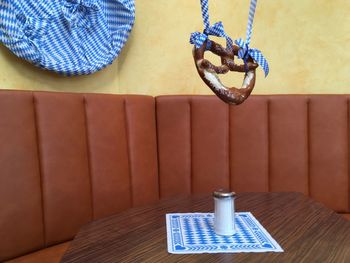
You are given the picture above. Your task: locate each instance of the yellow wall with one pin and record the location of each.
(305, 41)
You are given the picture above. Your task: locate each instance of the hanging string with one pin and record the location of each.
(217, 29)
(205, 13)
(244, 51)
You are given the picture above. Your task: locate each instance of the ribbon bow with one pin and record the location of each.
(244, 52)
(217, 30)
(81, 13)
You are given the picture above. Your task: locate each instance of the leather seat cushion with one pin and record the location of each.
(347, 216)
(48, 255)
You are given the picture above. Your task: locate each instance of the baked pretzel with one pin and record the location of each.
(209, 72)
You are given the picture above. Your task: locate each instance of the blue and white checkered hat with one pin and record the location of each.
(71, 37)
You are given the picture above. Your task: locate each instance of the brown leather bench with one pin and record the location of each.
(67, 159)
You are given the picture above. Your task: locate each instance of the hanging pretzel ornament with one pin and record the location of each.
(209, 72)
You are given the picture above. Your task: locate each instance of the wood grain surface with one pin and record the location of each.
(306, 230)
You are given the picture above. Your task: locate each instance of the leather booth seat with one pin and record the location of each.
(69, 158)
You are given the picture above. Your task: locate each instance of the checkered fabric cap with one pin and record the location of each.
(71, 37)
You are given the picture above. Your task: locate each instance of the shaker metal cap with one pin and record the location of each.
(223, 194)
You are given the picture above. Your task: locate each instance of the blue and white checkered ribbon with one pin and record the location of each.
(217, 29)
(245, 51)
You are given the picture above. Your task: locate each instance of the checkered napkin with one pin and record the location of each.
(71, 37)
(193, 233)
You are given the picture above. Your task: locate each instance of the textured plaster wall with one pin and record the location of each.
(305, 41)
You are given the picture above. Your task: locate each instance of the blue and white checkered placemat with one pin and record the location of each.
(192, 233)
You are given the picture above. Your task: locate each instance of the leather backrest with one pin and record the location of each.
(66, 159)
(269, 143)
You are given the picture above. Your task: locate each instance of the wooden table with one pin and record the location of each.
(306, 230)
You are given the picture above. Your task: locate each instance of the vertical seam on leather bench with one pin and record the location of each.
(89, 158)
(191, 148)
(268, 145)
(127, 130)
(40, 166)
(157, 146)
(229, 147)
(308, 138)
(348, 148)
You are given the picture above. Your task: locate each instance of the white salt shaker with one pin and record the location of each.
(224, 214)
